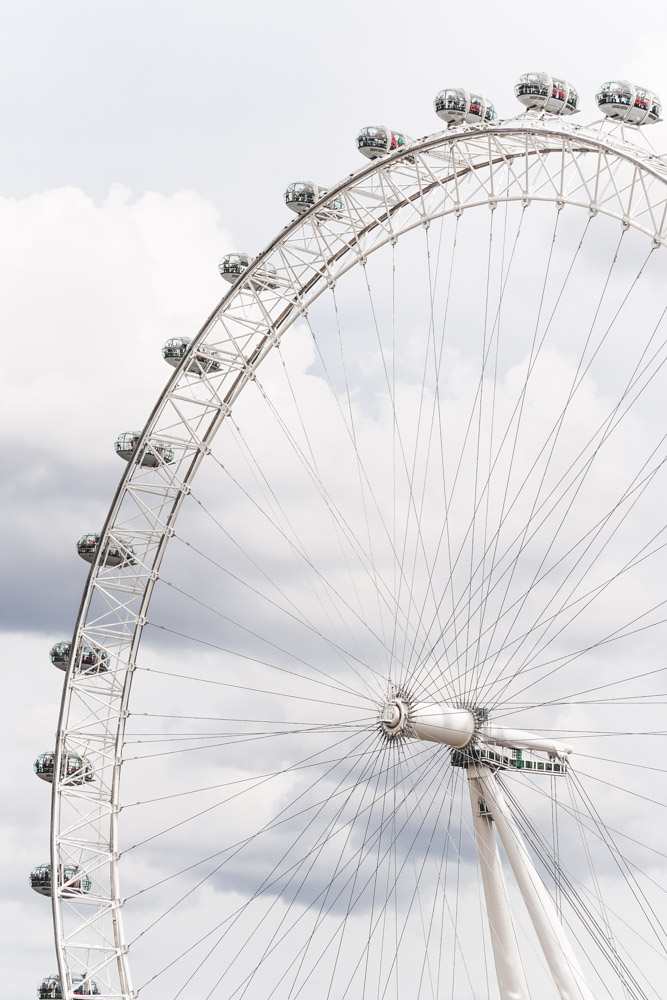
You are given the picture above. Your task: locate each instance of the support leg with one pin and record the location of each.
(506, 956)
(558, 952)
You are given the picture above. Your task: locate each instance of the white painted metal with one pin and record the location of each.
(523, 161)
(506, 955)
(456, 727)
(518, 739)
(558, 952)
(442, 724)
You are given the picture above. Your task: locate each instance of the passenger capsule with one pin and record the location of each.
(154, 453)
(377, 140)
(71, 882)
(626, 102)
(452, 105)
(265, 276)
(175, 349)
(93, 660)
(480, 111)
(114, 554)
(459, 107)
(51, 989)
(302, 195)
(75, 770)
(541, 92)
(233, 265)
(59, 654)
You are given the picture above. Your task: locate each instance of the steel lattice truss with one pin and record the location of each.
(530, 159)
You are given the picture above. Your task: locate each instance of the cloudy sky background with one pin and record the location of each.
(140, 142)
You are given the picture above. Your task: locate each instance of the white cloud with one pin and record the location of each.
(89, 294)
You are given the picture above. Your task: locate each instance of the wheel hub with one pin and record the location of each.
(394, 716)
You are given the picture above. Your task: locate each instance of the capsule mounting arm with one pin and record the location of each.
(518, 739)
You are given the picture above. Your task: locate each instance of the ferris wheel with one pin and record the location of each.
(393, 728)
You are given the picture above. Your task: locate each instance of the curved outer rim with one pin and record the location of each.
(440, 174)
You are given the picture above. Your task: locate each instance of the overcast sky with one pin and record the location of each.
(141, 140)
(235, 100)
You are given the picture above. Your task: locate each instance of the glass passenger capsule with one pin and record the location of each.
(452, 105)
(155, 452)
(72, 883)
(459, 107)
(94, 660)
(174, 350)
(480, 111)
(265, 276)
(626, 102)
(301, 195)
(59, 654)
(50, 988)
(233, 265)
(541, 92)
(378, 140)
(114, 555)
(75, 770)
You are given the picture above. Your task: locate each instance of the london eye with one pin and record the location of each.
(360, 701)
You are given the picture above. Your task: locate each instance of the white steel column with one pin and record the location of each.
(558, 952)
(507, 958)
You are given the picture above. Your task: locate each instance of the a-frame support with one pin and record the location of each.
(558, 952)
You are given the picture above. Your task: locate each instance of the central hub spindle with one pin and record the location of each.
(435, 723)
